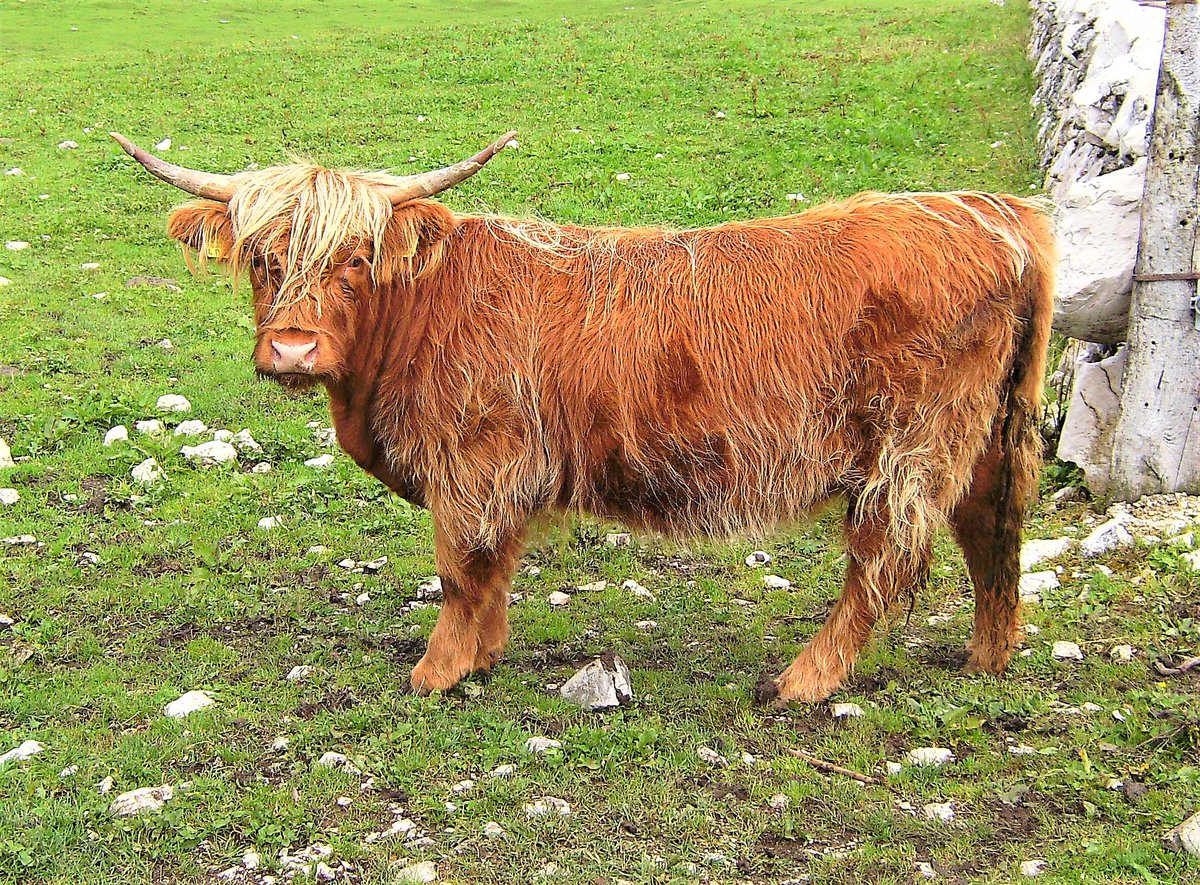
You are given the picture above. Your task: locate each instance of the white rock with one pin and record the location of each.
(1032, 868)
(618, 539)
(270, 522)
(164, 145)
(758, 559)
(280, 744)
(505, 770)
(712, 757)
(558, 598)
(622, 176)
(261, 467)
(16, 245)
(147, 472)
(930, 756)
(188, 703)
(191, 428)
(166, 344)
(105, 786)
(69, 771)
(493, 830)
(538, 745)
(846, 711)
(300, 671)
(210, 453)
(9, 496)
(120, 433)
(1122, 654)
(1067, 651)
(775, 582)
(15, 170)
(1097, 226)
(245, 441)
(90, 265)
(646, 625)
(1033, 552)
(1192, 559)
(1033, 585)
(151, 426)
(6, 458)
(362, 598)
(251, 860)
(141, 800)
(173, 402)
(463, 786)
(603, 684)
(594, 587)
(926, 870)
(893, 767)
(5, 281)
(548, 806)
(331, 759)
(320, 462)
(423, 872)
(1186, 836)
(1106, 537)
(23, 751)
(779, 802)
(943, 811)
(322, 872)
(18, 540)
(1092, 413)
(638, 590)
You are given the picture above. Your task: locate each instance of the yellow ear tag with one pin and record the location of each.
(214, 251)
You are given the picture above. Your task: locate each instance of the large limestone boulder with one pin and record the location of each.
(1098, 225)
(1092, 415)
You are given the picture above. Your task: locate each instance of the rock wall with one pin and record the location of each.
(1096, 69)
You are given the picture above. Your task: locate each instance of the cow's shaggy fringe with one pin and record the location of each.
(887, 349)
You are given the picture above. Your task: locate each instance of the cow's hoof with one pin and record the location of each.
(790, 689)
(765, 690)
(427, 678)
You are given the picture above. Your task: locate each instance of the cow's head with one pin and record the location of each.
(315, 243)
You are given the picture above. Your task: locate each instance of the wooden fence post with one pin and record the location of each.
(1156, 446)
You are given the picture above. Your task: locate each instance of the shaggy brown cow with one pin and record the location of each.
(888, 350)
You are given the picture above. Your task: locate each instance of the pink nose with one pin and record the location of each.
(293, 357)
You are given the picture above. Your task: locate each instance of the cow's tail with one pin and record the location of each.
(988, 520)
(1020, 438)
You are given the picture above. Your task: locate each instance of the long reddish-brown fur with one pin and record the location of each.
(888, 349)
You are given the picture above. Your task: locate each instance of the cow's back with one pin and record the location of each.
(720, 380)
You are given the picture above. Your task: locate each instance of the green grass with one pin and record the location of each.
(821, 98)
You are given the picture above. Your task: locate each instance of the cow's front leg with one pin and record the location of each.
(472, 629)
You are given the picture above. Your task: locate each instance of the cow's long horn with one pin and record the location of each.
(209, 185)
(410, 187)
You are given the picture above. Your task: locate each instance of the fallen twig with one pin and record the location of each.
(822, 765)
(1163, 670)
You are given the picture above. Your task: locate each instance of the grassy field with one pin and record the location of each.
(716, 111)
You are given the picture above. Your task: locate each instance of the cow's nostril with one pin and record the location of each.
(293, 357)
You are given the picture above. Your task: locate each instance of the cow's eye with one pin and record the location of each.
(357, 263)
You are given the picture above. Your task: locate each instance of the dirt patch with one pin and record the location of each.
(333, 701)
(160, 565)
(778, 847)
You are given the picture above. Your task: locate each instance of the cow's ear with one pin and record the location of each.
(414, 237)
(203, 226)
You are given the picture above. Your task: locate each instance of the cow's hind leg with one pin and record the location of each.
(472, 629)
(879, 571)
(987, 524)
